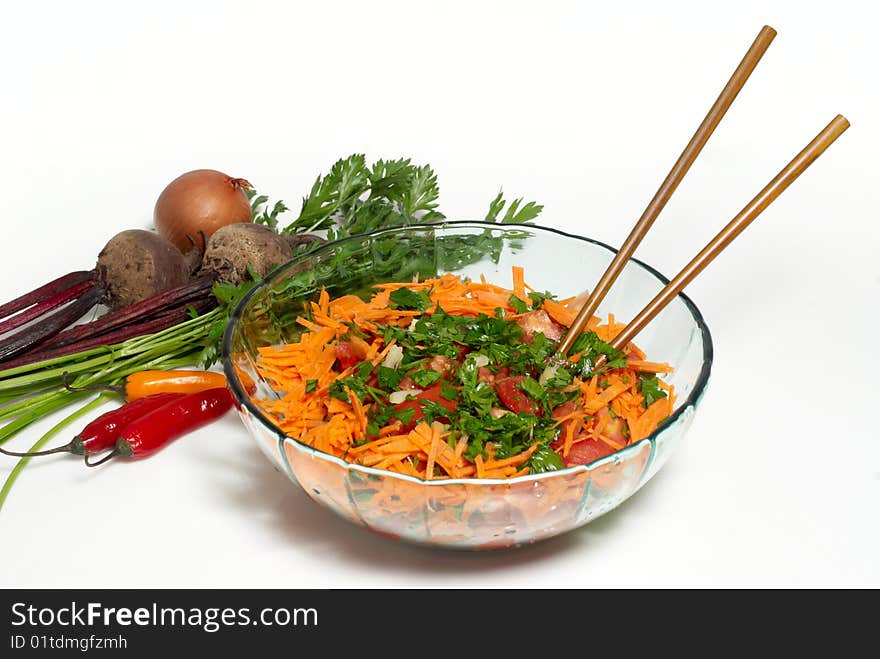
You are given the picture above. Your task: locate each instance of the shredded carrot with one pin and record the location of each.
(648, 367)
(306, 371)
(432, 454)
(519, 282)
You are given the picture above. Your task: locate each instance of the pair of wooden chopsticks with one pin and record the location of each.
(751, 211)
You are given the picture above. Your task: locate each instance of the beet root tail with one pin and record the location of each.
(50, 325)
(45, 291)
(45, 306)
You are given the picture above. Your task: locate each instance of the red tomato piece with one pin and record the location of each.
(406, 383)
(442, 364)
(613, 428)
(485, 375)
(514, 398)
(538, 321)
(584, 452)
(432, 394)
(560, 412)
(346, 355)
(564, 410)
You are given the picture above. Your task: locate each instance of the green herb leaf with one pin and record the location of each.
(311, 385)
(544, 459)
(518, 305)
(532, 388)
(593, 347)
(337, 390)
(405, 415)
(562, 378)
(433, 411)
(388, 378)
(514, 214)
(448, 392)
(408, 299)
(425, 377)
(260, 213)
(537, 299)
(650, 388)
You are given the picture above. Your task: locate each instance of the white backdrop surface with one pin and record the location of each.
(580, 106)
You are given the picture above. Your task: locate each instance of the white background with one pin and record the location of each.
(581, 107)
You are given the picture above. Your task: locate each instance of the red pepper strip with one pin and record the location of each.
(149, 433)
(102, 433)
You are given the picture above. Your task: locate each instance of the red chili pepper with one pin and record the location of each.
(102, 433)
(152, 431)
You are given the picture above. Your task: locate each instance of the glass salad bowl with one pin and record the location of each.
(466, 513)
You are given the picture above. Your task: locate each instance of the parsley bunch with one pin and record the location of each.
(354, 198)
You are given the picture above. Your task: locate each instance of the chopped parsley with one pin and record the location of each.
(537, 299)
(426, 377)
(544, 459)
(406, 298)
(532, 388)
(388, 378)
(650, 388)
(518, 305)
(404, 415)
(448, 392)
(593, 348)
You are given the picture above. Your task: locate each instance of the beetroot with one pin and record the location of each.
(135, 265)
(236, 251)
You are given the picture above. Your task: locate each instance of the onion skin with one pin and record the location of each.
(195, 204)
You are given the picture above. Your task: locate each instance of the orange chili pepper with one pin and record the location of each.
(147, 383)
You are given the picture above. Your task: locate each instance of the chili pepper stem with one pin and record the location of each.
(115, 388)
(67, 448)
(112, 454)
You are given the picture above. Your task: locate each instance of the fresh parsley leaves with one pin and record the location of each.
(592, 348)
(650, 388)
(517, 305)
(425, 377)
(388, 378)
(532, 388)
(408, 299)
(544, 459)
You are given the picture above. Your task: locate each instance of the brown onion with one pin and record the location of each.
(202, 200)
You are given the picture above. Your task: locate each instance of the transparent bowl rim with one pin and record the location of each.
(242, 398)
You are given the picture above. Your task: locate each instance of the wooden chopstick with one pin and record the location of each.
(754, 208)
(669, 185)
